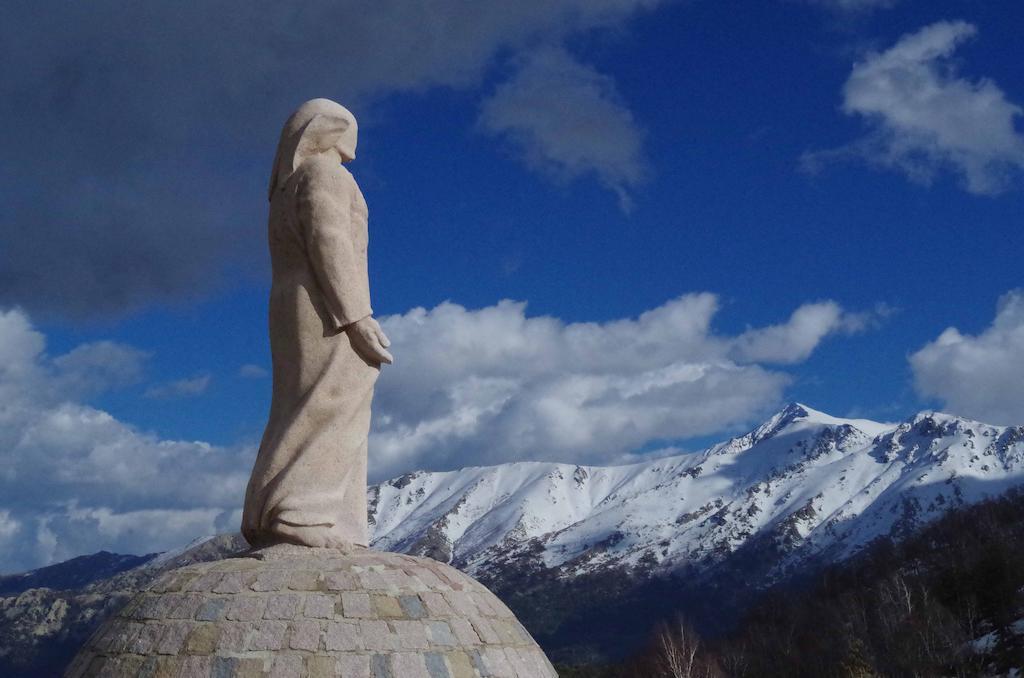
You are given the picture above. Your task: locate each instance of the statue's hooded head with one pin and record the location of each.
(315, 127)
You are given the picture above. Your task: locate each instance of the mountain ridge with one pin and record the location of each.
(805, 474)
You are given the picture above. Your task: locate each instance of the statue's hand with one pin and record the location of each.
(369, 340)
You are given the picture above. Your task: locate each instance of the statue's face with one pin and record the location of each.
(346, 148)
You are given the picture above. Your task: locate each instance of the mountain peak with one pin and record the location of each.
(797, 416)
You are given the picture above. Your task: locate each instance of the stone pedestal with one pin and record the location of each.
(292, 611)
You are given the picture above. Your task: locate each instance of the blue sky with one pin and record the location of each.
(802, 197)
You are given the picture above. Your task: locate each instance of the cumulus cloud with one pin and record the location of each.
(979, 376)
(137, 137)
(491, 385)
(469, 387)
(567, 120)
(924, 118)
(74, 479)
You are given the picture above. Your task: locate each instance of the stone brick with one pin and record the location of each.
(484, 630)
(445, 574)
(431, 580)
(437, 606)
(188, 606)
(180, 580)
(267, 635)
(270, 580)
(122, 666)
(166, 582)
(397, 580)
(320, 606)
(322, 667)
(519, 663)
(461, 603)
(343, 636)
(436, 666)
(282, 606)
(159, 667)
(249, 667)
(464, 631)
(356, 605)
(305, 635)
(460, 665)
(479, 663)
(387, 607)
(153, 607)
(146, 641)
(174, 638)
(408, 665)
(339, 581)
(196, 667)
(287, 666)
(486, 605)
(212, 610)
(412, 635)
(380, 667)
(124, 637)
(303, 581)
(505, 631)
(224, 667)
(413, 581)
(232, 582)
(377, 635)
(246, 608)
(440, 633)
(204, 582)
(412, 607)
(371, 580)
(233, 637)
(203, 639)
(496, 662)
(354, 666)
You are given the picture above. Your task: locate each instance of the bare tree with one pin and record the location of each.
(680, 653)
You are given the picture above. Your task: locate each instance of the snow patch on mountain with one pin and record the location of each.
(804, 483)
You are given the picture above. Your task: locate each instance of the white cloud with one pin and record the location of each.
(71, 474)
(100, 366)
(469, 387)
(493, 385)
(567, 120)
(924, 117)
(978, 376)
(180, 388)
(794, 340)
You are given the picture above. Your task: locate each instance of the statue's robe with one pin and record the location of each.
(308, 485)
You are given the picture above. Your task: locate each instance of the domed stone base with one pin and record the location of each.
(292, 611)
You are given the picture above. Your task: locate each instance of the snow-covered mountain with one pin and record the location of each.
(802, 485)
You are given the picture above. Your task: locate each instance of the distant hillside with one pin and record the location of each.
(72, 574)
(947, 601)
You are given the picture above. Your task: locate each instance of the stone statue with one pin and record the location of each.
(308, 486)
(284, 608)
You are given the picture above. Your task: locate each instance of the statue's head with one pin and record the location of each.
(317, 126)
